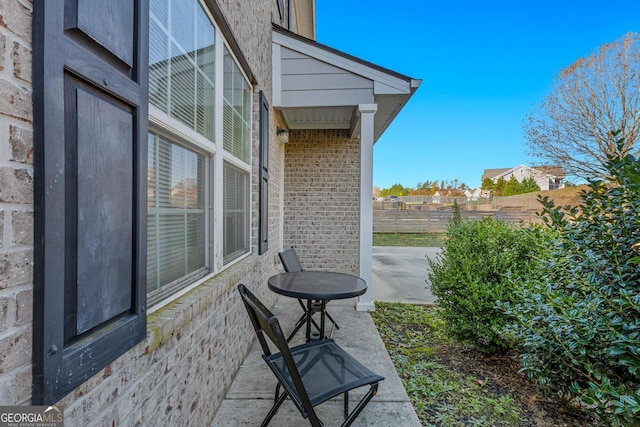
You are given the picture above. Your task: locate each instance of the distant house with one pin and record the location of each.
(547, 177)
(472, 195)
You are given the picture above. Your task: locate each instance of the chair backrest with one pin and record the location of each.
(265, 323)
(290, 260)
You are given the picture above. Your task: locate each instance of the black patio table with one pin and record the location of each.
(317, 287)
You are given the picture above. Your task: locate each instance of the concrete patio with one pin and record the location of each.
(251, 394)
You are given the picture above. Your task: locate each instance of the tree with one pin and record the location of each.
(394, 190)
(529, 185)
(498, 187)
(590, 98)
(511, 187)
(487, 184)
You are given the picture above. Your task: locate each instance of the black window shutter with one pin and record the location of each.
(90, 63)
(263, 225)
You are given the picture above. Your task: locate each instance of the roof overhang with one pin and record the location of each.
(317, 87)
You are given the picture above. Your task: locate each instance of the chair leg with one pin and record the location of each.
(332, 321)
(300, 323)
(346, 404)
(356, 411)
(275, 398)
(274, 409)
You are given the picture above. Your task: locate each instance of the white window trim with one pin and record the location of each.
(163, 123)
(219, 160)
(188, 143)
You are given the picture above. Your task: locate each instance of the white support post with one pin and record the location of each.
(366, 111)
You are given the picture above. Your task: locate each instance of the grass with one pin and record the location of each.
(408, 239)
(441, 396)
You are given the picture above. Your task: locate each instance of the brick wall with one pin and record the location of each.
(321, 200)
(180, 373)
(16, 202)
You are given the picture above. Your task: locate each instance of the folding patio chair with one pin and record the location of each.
(311, 373)
(291, 262)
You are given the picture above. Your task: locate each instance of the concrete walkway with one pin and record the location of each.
(399, 274)
(251, 394)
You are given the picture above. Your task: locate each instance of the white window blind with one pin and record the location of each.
(236, 212)
(237, 110)
(181, 63)
(184, 146)
(176, 242)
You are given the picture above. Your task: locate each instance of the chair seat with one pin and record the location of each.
(310, 373)
(325, 368)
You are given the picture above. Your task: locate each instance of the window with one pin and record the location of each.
(237, 111)
(176, 224)
(181, 63)
(109, 225)
(237, 169)
(236, 213)
(185, 147)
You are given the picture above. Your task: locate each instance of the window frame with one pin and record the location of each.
(177, 132)
(161, 294)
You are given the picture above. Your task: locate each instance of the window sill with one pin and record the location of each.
(168, 321)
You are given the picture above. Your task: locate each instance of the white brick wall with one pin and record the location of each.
(321, 200)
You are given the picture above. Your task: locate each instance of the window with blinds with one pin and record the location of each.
(184, 145)
(236, 141)
(236, 212)
(176, 244)
(181, 63)
(237, 111)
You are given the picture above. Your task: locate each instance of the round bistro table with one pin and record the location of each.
(317, 287)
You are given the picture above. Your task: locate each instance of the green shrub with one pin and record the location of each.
(579, 322)
(478, 264)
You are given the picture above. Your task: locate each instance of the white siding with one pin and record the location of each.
(310, 82)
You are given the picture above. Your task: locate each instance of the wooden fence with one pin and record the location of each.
(492, 203)
(437, 220)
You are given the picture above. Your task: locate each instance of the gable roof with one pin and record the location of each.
(318, 87)
(492, 173)
(551, 171)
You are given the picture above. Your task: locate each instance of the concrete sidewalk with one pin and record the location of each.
(399, 275)
(251, 394)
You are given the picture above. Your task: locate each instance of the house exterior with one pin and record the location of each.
(547, 177)
(144, 174)
(472, 195)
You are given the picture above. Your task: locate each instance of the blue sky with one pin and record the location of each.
(484, 66)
